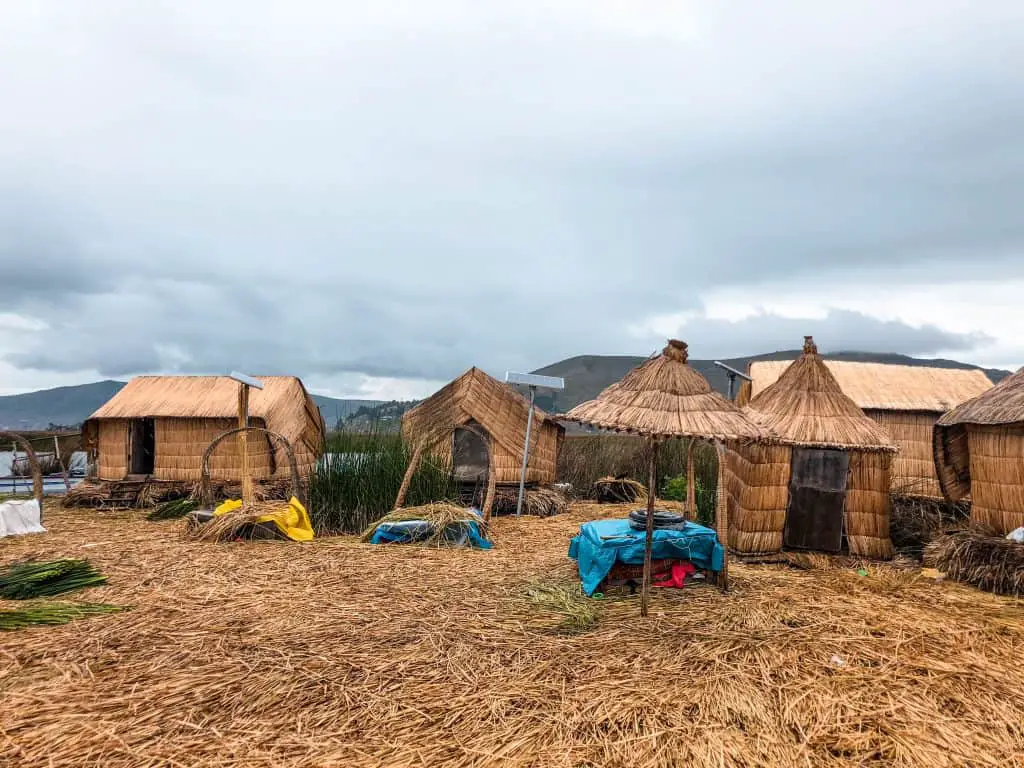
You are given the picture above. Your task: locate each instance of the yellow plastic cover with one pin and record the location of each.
(292, 520)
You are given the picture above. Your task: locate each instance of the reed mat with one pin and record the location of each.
(340, 653)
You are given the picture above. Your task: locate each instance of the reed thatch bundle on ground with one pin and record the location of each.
(806, 409)
(916, 521)
(357, 656)
(904, 400)
(236, 524)
(979, 450)
(618, 490)
(992, 563)
(539, 502)
(439, 515)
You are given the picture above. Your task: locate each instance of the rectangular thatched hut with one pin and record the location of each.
(979, 451)
(826, 486)
(905, 400)
(158, 427)
(461, 418)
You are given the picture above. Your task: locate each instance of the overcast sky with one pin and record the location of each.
(377, 195)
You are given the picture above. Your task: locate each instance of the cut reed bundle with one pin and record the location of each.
(52, 613)
(171, 510)
(916, 521)
(577, 612)
(539, 502)
(618, 490)
(439, 515)
(88, 493)
(992, 563)
(25, 581)
(236, 524)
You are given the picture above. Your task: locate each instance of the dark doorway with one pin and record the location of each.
(142, 433)
(469, 456)
(817, 497)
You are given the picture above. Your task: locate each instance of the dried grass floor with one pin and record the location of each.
(343, 654)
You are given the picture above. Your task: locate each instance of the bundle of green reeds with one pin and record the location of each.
(618, 490)
(24, 581)
(171, 510)
(992, 563)
(52, 613)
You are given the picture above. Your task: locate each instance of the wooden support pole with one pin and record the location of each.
(691, 486)
(491, 483)
(649, 539)
(722, 516)
(243, 442)
(64, 469)
(414, 462)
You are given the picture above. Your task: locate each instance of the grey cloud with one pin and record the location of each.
(338, 190)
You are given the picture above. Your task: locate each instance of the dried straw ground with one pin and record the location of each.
(344, 654)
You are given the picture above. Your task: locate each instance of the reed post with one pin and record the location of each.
(649, 538)
(414, 462)
(243, 441)
(691, 490)
(64, 469)
(491, 483)
(722, 517)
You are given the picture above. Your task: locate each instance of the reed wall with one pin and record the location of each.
(757, 487)
(180, 444)
(997, 475)
(913, 470)
(868, 505)
(112, 449)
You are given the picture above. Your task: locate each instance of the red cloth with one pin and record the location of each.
(678, 575)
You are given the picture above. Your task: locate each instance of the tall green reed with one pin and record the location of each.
(357, 480)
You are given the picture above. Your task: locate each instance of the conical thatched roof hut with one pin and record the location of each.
(666, 398)
(906, 400)
(828, 480)
(979, 450)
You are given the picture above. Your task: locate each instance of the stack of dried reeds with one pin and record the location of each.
(992, 563)
(618, 490)
(916, 521)
(88, 493)
(237, 524)
(439, 515)
(540, 502)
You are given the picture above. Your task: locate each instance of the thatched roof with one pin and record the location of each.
(475, 396)
(883, 387)
(283, 404)
(665, 397)
(806, 407)
(1002, 404)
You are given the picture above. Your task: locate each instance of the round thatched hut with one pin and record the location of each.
(979, 450)
(826, 487)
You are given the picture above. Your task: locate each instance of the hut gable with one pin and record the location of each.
(807, 407)
(475, 397)
(999, 405)
(882, 387)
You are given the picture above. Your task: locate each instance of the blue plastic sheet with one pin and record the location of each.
(602, 543)
(460, 534)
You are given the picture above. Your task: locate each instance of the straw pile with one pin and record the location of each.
(916, 521)
(354, 655)
(618, 490)
(992, 563)
(236, 524)
(540, 502)
(439, 514)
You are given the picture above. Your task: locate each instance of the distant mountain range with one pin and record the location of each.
(585, 376)
(70, 406)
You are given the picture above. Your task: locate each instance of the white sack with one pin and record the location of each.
(19, 517)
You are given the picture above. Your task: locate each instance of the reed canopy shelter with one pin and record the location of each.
(158, 427)
(479, 424)
(979, 451)
(825, 487)
(906, 400)
(659, 400)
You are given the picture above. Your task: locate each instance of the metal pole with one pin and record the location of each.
(732, 383)
(526, 453)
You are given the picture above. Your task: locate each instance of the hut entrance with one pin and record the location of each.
(817, 496)
(469, 455)
(142, 433)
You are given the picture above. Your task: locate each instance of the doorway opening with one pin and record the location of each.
(142, 450)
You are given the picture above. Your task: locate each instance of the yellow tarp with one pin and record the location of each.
(291, 519)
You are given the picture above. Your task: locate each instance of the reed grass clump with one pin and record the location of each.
(357, 480)
(578, 612)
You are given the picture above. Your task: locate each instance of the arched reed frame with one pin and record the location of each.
(33, 461)
(297, 488)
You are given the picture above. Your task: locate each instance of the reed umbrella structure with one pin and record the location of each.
(662, 399)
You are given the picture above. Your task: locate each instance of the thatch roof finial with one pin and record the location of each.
(676, 350)
(810, 348)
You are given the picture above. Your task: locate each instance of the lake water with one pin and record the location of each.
(52, 486)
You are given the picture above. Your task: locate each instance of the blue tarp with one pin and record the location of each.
(411, 531)
(602, 543)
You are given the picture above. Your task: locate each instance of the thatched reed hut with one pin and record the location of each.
(906, 400)
(157, 427)
(829, 480)
(979, 450)
(475, 416)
